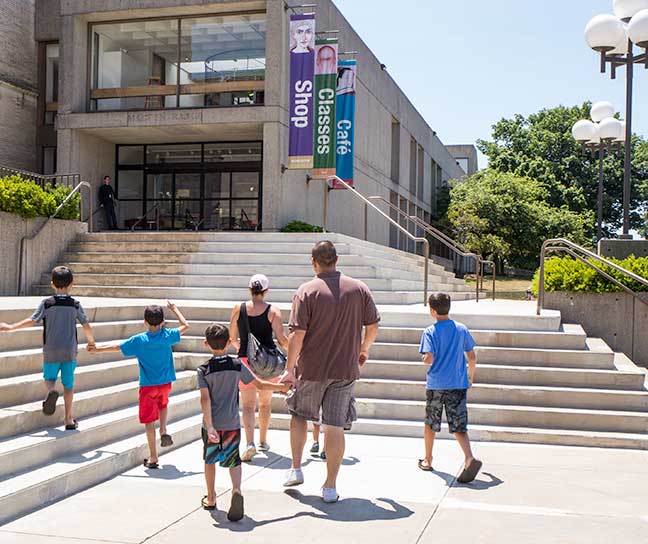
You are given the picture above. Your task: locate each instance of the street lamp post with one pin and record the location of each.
(602, 135)
(614, 37)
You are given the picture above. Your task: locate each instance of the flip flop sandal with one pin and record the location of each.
(72, 426)
(205, 504)
(49, 404)
(150, 465)
(424, 466)
(236, 510)
(166, 440)
(470, 473)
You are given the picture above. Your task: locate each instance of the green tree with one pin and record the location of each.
(507, 217)
(541, 147)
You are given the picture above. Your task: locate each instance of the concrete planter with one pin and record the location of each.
(618, 318)
(41, 253)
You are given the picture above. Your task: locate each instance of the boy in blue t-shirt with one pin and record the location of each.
(156, 370)
(443, 346)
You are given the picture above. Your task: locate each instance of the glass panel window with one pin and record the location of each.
(51, 81)
(245, 184)
(130, 184)
(49, 160)
(216, 51)
(217, 185)
(217, 215)
(233, 152)
(244, 214)
(129, 212)
(131, 154)
(159, 186)
(134, 65)
(184, 153)
(187, 186)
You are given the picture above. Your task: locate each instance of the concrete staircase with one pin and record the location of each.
(538, 380)
(217, 266)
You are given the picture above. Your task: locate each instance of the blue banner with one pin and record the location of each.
(345, 120)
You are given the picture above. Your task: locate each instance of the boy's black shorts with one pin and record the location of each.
(456, 409)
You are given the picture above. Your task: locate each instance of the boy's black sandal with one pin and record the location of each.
(205, 504)
(72, 426)
(236, 510)
(166, 440)
(150, 465)
(470, 473)
(49, 404)
(424, 466)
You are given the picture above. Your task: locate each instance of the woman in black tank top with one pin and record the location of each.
(265, 324)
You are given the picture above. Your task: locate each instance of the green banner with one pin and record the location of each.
(326, 53)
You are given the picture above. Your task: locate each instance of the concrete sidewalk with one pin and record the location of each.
(526, 493)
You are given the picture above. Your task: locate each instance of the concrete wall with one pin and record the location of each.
(42, 253)
(618, 318)
(467, 153)
(622, 249)
(18, 84)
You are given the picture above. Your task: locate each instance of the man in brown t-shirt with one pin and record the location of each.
(325, 353)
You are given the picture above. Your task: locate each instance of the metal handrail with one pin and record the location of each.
(22, 263)
(68, 180)
(576, 251)
(424, 241)
(157, 217)
(448, 242)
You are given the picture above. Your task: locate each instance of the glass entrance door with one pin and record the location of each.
(231, 200)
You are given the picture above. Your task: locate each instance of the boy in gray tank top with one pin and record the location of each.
(59, 315)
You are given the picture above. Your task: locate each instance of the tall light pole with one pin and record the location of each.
(615, 37)
(602, 135)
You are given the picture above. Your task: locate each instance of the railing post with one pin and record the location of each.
(426, 266)
(477, 268)
(494, 277)
(541, 279)
(366, 222)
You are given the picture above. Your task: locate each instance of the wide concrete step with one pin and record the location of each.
(216, 293)
(190, 247)
(240, 281)
(35, 449)
(507, 416)
(494, 433)
(514, 395)
(64, 476)
(29, 417)
(190, 236)
(517, 375)
(508, 356)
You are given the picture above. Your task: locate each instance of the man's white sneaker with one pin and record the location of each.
(294, 476)
(249, 453)
(329, 494)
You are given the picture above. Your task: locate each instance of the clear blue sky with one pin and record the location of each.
(465, 64)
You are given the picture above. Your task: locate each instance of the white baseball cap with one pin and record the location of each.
(259, 281)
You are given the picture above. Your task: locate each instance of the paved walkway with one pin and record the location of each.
(530, 494)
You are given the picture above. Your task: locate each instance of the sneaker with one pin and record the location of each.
(264, 446)
(249, 453)
(323, 456)
(329, 494)
(314, 448)
(294, 476)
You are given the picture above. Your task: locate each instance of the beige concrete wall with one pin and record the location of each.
(17, 127)
(618, 318)
(41, 253)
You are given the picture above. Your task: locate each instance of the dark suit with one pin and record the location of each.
(107, 200)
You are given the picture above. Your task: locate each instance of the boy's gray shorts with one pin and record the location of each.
(456, 409)
(332, 398)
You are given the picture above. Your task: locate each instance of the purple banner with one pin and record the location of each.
(302, 86)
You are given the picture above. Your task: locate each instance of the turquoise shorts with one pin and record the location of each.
(51, 372)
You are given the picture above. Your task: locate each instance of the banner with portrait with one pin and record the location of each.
(326, 59)
(345, 120)
(302, 84)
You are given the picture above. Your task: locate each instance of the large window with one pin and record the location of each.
(395, 151)
(49, 81)
(211, 186)
(171, 63)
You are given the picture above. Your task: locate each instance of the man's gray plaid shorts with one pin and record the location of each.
(456, 409)
(332, 398)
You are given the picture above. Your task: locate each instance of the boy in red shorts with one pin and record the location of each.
(157, 372)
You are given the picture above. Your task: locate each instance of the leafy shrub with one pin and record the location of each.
(567, 274)
(300, 226)
(27, 199)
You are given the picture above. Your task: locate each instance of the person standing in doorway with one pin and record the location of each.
(326, 350)
(264, 321)
(107, 200)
